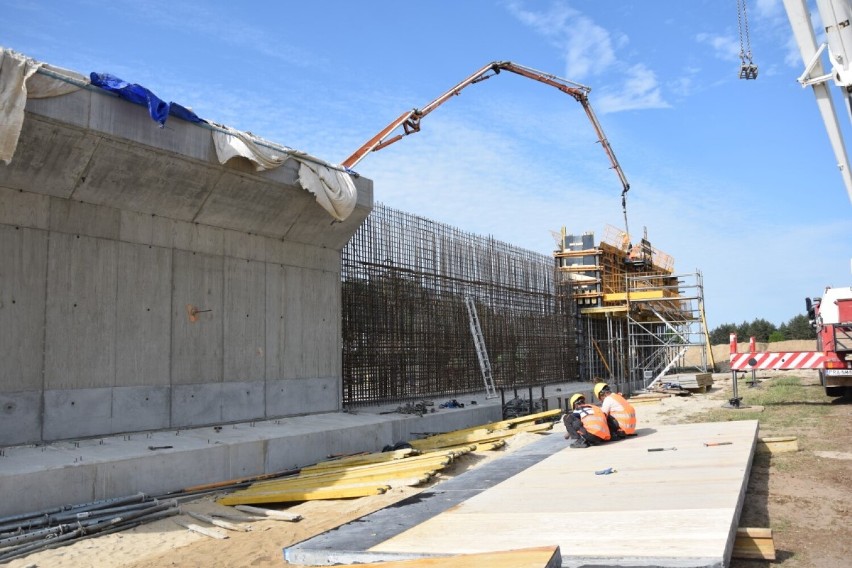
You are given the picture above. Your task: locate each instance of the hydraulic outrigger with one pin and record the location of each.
(410, 120)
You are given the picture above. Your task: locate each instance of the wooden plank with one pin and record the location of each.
(273, 514)
(304, 495)
(777, 445)
(212, 533)
(540, 557)
(754, 543)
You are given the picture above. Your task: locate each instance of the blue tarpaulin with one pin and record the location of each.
(157, 107)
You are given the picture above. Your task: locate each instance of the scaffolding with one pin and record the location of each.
(636, 320)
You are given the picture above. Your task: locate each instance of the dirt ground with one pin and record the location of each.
(805, 497)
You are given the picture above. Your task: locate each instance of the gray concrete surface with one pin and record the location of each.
(34, 477)
(109, 227)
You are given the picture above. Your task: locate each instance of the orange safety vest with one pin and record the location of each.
(594, 421)
(626, 417)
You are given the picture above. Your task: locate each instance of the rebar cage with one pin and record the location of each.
(406, 330)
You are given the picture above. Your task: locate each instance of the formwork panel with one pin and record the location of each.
(197, 350)
(81, 312)
(245, 320)
(143, 321)
(23, 267)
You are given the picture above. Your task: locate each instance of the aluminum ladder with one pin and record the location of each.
(481, 353)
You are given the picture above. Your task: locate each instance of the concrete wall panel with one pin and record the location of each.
(77, 413)
(136, 228)
(197, 348)
(243, 401)
(245, 320)
(23, 272)
(144, 180)
(23, 209)
(50, 159)
(124, 119)
(68, 216)
(196, 405)
(250, 205)
(141, 408)
(245, 245)
(72, 108)
(81, 312)
(301, 396)
(187, 236)
(143, 319)
(20, 417)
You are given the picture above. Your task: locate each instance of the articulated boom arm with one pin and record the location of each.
(410, 121)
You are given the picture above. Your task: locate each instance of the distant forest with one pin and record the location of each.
(763, 331)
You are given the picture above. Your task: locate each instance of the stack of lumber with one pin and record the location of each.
(375, 473)
(693, 382)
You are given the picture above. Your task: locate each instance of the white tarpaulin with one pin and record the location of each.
(18, 81)
(333, 188)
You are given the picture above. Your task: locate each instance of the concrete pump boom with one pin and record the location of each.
(410, 120)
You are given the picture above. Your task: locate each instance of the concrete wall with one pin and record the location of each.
(109, 228)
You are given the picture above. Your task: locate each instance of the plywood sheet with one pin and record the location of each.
(675, 503)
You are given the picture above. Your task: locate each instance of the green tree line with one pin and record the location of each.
(764, 331)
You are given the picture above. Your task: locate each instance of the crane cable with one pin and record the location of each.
(748, 70)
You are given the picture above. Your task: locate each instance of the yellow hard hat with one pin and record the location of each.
(575, 398)
(599, 387)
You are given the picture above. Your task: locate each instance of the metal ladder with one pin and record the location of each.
(481, 353)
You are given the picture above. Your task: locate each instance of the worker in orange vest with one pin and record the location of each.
(616, 406)
(586, 424)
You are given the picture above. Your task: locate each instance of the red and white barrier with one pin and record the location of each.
(774, 360)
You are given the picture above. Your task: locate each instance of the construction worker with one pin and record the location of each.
(615, 405)
(586, 424)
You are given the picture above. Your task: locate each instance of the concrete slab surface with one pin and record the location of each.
(660, 508)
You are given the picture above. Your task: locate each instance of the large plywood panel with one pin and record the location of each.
(245, 319)
(664, 507)
(143, 325)
(197, 350)
(23, 274)
(81, 312)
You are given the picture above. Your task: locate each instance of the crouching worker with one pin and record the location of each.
(614, 405)
(586, 424)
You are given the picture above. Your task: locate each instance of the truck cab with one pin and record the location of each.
(831, 317)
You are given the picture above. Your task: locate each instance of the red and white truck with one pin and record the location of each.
(831, 317)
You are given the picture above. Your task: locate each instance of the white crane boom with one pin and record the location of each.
(835, 15)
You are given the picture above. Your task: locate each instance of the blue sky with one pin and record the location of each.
(733, 178)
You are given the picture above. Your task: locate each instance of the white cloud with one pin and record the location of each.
(590, 50)
(640, 90)
(724, 47)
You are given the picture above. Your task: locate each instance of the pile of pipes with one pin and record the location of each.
(27, 533)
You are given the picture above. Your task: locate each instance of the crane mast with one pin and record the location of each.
(410, 120)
